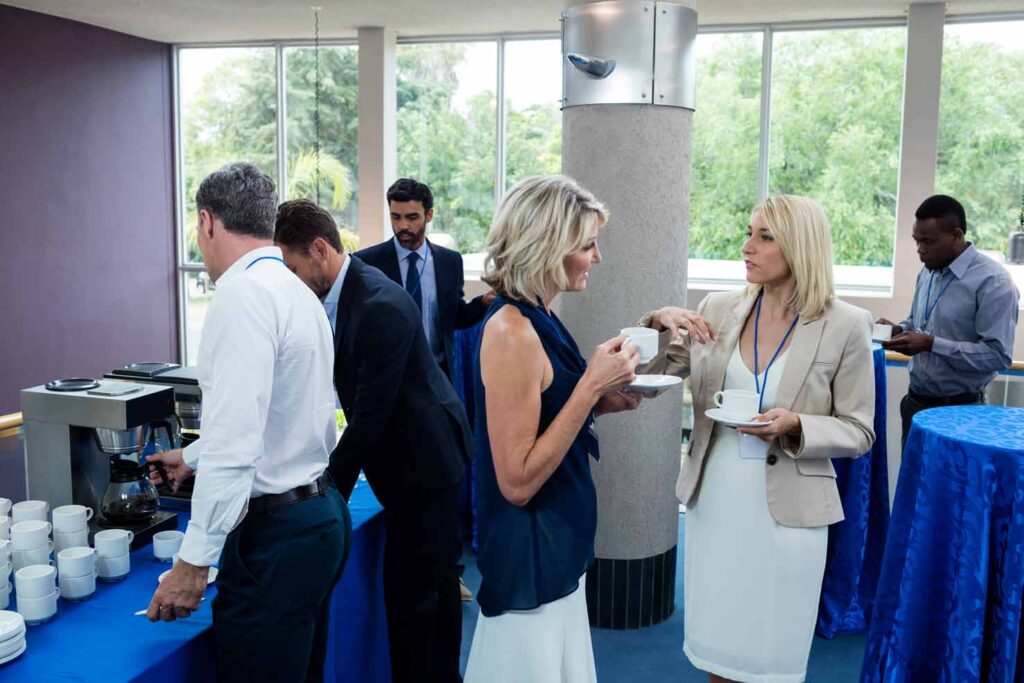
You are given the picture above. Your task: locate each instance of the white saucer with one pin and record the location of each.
(209, 579)
(653, 385)
(12, 646)
(719, 415)
(15, 655)
(12, 625)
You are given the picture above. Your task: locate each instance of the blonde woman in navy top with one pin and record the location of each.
(536, 398)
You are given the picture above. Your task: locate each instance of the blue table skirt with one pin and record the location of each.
(102, 640)
(948, 606)
(855, 545)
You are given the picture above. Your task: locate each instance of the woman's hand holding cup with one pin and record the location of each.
(612, 366)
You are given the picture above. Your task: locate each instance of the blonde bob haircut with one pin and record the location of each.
(801, 230)
(540, 221)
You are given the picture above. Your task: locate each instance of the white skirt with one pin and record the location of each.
(751, 585)
(550, 644)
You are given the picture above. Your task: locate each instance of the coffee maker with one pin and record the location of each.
(85, 443)
(188, 408)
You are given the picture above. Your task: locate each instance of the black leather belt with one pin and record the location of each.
(956, 400)
(272, 501)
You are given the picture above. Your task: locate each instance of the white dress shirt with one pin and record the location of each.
(334, 294)
(428, 290)
(265, 365)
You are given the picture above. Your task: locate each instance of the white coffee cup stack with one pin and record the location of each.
(36, 587)
(5, 518)
(30, 543)
(71, 526)
(112, 559)
(5, 573)
(76, 568)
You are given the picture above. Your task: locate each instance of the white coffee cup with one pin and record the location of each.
(63, 540)
(5, 527)
(880, 332)
(113, 568)
(5, 506)
(738, 403)
(76, 588)
(27, 558)
(5, 570)
(35, 581)
(5, 549)
(5, 595)
(645, 340)
(38, 610)
(30, 534)
(72, 562)
(28, 510)
(71, 517)
(166, 544)
(112, 542)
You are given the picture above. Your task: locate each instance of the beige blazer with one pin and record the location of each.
(828, 379)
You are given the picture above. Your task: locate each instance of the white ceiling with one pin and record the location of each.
(193, 21)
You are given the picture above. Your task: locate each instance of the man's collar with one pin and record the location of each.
(335, 291)
(962, 262)
(248, 259)
(403, 253)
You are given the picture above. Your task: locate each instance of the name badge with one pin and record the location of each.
(753, 448)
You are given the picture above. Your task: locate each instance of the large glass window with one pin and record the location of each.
(835, 131)
(228, 113)
(447, 129)
(533, 117)
(339, 130)
(981, 127)
(726, 134)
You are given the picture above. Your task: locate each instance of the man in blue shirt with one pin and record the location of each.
(960, 330)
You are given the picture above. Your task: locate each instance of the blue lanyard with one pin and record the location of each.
(422, 269)
(928, 309)
(266, 258)
(757, 383)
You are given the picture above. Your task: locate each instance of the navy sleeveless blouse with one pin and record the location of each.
(535, 554)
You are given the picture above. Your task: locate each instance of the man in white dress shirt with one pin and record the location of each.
(261, 501)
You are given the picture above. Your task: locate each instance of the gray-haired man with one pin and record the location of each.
(261, 502)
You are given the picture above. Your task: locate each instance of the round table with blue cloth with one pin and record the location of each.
(948, 605)
(855, 545)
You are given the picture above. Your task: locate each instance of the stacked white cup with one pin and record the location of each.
(5, 573)
(76, 568)
(30, 543)
(113, 561)
(71, 526)
(28, 510)
(36, 586)
(5, 519)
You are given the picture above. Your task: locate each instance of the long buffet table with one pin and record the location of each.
(102, 639)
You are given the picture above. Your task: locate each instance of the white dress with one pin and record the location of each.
(751, 585)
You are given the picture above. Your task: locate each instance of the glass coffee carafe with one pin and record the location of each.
(130, 498)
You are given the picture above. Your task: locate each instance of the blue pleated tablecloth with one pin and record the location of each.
(101, 639)
(948, 605)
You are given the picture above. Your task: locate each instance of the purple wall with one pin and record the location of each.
(87, 255)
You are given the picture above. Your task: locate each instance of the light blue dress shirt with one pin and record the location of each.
(973, 315)
(331, 300)
(428, 288)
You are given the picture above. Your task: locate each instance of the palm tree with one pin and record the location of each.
(335, 180)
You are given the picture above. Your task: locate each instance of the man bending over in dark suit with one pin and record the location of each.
(407, 431)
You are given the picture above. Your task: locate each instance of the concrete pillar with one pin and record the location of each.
(636, 159)
(377, 132)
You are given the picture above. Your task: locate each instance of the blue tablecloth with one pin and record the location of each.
(948, 606)
(102, 640)
(856, 545)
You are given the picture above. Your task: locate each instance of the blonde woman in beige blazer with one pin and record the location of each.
(760, 499)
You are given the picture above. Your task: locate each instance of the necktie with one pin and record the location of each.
(412, 280)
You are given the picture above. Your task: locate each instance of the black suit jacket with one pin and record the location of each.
(454, 312)
(407, 429)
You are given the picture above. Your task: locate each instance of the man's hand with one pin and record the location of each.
(617, 402)
(896, 329)
(174, 464)
(179, 594)
(910, 343)
(782, 422)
